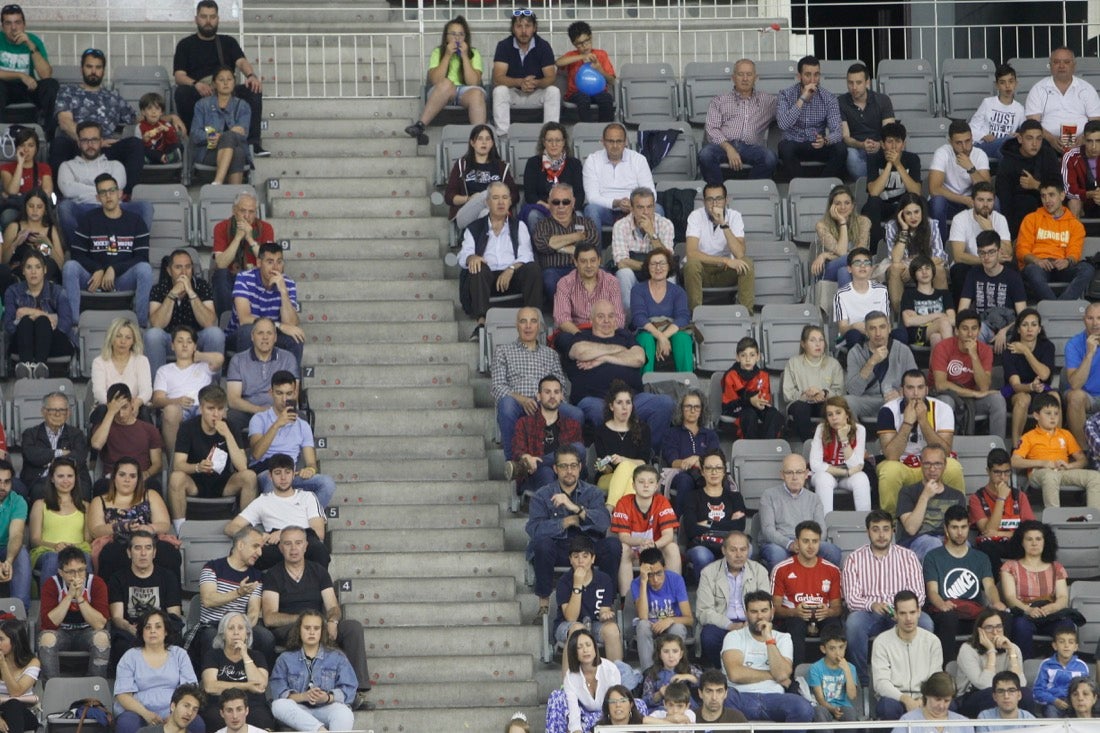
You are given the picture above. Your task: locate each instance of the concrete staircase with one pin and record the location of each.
(426, 555)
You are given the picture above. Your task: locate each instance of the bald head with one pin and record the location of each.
(793, 472)
(603, 319)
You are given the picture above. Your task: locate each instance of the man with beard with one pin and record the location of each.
(962, 242)
(198, 56)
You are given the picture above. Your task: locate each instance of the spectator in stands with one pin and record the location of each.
(634, 236)
(26, 74)
(747, 395)
(578, 291)
(234, 711)
(644, 519)
(955, 168)
(127, 508)
(855, 302)
(686, 443)
(196, 61)
(266, 291)
(1050, 246)
(147, 676)
(609, 189)
(837, 456)
(590, 681)
(891, 172)
(454, 78)
(539, 435)
(219, 130)
(758, 664)
(810, 119)
(34, 229)
(1083, 698)
(937, 695)
(73, 615)
(783, 508)
(181, 299)
(550, 166)
(176, 386)
(660, 315)
(110, 251)
(15, 564)
(248, 380)
(467, 191)
(1026, 162)
(237, 243)
(1082, 374)
(1055, 673)
(998, 117)
(524, 71)
(864, 113)
(715, 250)
(910, 234)
(711, 513)
(997, 509)
(57, 521)
(723, 585)
(927, 312)
(187, 702)
(1078, 165)
(1063, 103)
(963, 238)
(139, 588)
(1007, 693)
(53, 438)
(603, 355)
(231, 664)
(805, 589)
(871, 576)
(497, 257)
(298, 702)
(120, 432)
(559, 512)
(580, 35)
(297, 588)
(994, 290)
(25, 173)
(20, 670)
(586, 596)
(161, 142)
(556, 240)
(713, 689)
(838, 230)
(832, 679)
(737, 129)
(958, 580)
(660, 600)
(808, 380)
(876, 367)
(671, 666)
(962, 369)
(1052, 457)
(984, 660)
(903, 658)
(621, 443)
(1028, 367)
(37, 319)
(1033, 583)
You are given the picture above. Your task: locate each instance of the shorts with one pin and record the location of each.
(211, 486)
(561, 633)
(460, 90)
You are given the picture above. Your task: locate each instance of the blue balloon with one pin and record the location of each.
(589, 81)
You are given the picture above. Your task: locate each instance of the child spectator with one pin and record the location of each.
(677, 698)
(1052, 455)
(747, 395)
(833, 679)
(927, 312)
(1057, 671)
(997, 117)
(580, 35)
(671, 666)
(855, 300)
(158, 135)
(644, 519)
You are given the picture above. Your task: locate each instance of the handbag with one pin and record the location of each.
(91, 709)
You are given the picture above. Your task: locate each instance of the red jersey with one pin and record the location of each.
(797, 583)
(629, 519)
(735, 387)
(1017, 508)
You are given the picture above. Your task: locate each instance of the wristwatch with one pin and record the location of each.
(577, 591)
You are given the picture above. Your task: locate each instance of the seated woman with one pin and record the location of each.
(19, 671)
(578, 704)
(620, 708)
(313, 682)
(927, 312)
(837, 455)
(37, 319)
(1028, 361)
(987, 652)
(57, 521)
(148, 674)
(711, 513)
(454, 72)
(911, 233)
(34, 229)
(684, 445)
(840, 230)
(937, 693)
(230, 664)
(25, 172)
(122, 360)
(808, 379)
(659, 313)
(622, 444)
(1033, 584)
(219, 130)
(468, 184)
(1083, 699)
(550, 164)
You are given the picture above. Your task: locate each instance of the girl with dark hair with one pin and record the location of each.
(468, 184)
(19, 670)
(1028, 361)
(57, 521)
(909, 234)
(25, 173)
(622, 444)
(1033, 583)
(37, 319)
(987, 652)
(670, 664)
(33, 230)
(313, 683)
(454, 75)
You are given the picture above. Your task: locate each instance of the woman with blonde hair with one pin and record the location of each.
(122, 360)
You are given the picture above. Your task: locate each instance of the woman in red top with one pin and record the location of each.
(1034, 586)
(23, 174)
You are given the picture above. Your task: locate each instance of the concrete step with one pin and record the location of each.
(406, 207)
(441, 640)
(406, 565)
(298, 230)
(413, 354)
(327, 398)
(415, 493)
(397, 615)
(432, 695)
(462, 589)
(367, 290)
(470, 469)
(391, 270)
(400, 447)
(347, 168)
(327, 109)
(313, 188)
(453, 669)
(381, 333)
(390, 147)
(438, 374)
(376, 311)
(361, 520)
(449, 719)
(422, 424)
(398, 540)
(350, 250)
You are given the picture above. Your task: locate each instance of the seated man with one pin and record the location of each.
(864, 113)
(1078, 170)
(660, 600)
(902, 658)
(875, 368)
(284, 506)
(578, 290)
(611, 174)
(737, 129)
(1082, 374)
(719, 608)
(73, 615)
(497, 257)
(955, 168)
(961, 367)
(537, 438)
(557, 237)
(1063, 103)
(809, 117)
(52, 438)
(783, 508)
(994, 290)
(963, 239)
(297, 585)
(1007, 693)
(1050, 245)
(234, 709)
(922, 505)
(891, 171)
(187, 701)
(279, 429)
(1026, 161)
(110, 251)
(265, 292)
(857, 300)
(121, 433)
(25, 71)
(715, 250)
(248, 379)
(997, 509)
(181, 299)
(176, 385)
(138, 589)
(523, 73)
(634, 236)
(1052, 457)
(758, 661)
(208, 463)
(906, 424)
(587, 595)
(236, 246)
(805, 589)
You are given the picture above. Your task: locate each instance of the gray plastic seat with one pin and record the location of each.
(648, 92)
(807, 198)
(721, 327)
(910, 84)
(704, 80)
(966, 82)
(924, 135)
(781, 331)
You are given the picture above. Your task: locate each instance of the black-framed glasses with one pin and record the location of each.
(525, 12)
(93, 52)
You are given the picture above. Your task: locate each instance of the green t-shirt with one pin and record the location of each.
(454, 69)
(14, 506)
(18, 57)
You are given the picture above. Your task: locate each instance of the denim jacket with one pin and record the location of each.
(332, 672)
(52, 300)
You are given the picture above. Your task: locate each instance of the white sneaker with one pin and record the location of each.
(41, 370)
(23, 370)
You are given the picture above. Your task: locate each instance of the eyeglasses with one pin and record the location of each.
(88, 140)
(93, 52)
(796, 472)
(861, 263)
(658, 263)
(568, 466)
(617, 700)
(934, 464)
(525, 12)
(106, 191)
(74, 571)
(1000, 472)
(560, 202)
(587, 41)
(997, 627)
(714, 199)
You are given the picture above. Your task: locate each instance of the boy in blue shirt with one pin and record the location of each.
(832, 678)
(1057, 671)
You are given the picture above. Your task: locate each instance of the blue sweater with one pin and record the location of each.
(1052, 681)
(643, 308)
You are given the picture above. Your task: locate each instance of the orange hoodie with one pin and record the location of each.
(1043, 236)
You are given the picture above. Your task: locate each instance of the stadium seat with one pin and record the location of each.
(1084, 596)
(1028, 71)
(807, 198)
(202, 541)
(1088, 68)
(773, 76)
(58, 698)
(67, 74)
(778, 275)
(846, 530)
(454, 141)
(834, 74)
(1078, 531)
(923, 136)
(704, 80)
(523, 138)
(26, 405)
(172, 217)
(760, 207)
(680, 162)
(133, 82)
(972, 450)
(721, 327)
(781, 331)
(966, 82)
(648, 92)
(911, 86)
(588, 138)
(756, 467)
(91, 332)
(1062, 320)
(216, 205)
(500, 328)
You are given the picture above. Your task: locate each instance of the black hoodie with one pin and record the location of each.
(1016, 202)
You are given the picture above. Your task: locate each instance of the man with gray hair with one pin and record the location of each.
(554, 237)
(876, 367)
(611, 174)
(635, 235)
(236, 246)
(52, 438)
(737, 129)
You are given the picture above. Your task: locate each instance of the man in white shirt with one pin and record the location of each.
(234, 710)
(634, 236)
(716, 250)
(965, 228)
(998, 116)
(956, 167)
(1063, 103)
(611, 174)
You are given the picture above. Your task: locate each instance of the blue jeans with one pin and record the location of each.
(1038, 281)
(509, 412)
(320, 484)
(923, 544)
(130, 722)
(887, 709)
(550, 278)
(993, 147)
(773, 554)
(20, 584)
(653, 409)
(837, 271)
(857, 162)
(699, 557)
(139, 278)
(861, 626)
(778, 707)
(158, 344)
(943, 210)
(711, 639)
(547, 552)
(760, 160)
(334, 716)
(69, 214)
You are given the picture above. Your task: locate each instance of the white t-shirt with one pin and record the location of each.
(994, 118)
(248, 729)
(853, 306)
(275, 512)
(965, 228)
(955, 177)
(713, 241)
(1056, 109)
(176, 382)
(756, 657)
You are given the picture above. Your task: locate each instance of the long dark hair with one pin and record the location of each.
(985, 615)
(634, 424)
(16, 631)
(635, 716)
(53, 503)
(1015, 333)
(47, 216)
(22, 135)
(494, 154)
(457, 20)
(571, 660)
(684, 667)
(920, 238)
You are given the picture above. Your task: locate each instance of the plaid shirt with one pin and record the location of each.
(820, 114)
(519, 369)
(626, 238)
(573, 303)
(734, 117)
(549, 227)
(531, 431)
